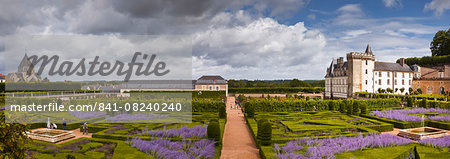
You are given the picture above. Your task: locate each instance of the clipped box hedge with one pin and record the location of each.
(268, 105)
(398, 124)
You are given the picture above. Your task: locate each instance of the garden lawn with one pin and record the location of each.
(392, 152)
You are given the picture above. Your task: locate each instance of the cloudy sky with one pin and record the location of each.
(246, 39)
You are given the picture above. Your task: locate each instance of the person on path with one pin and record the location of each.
(85, 128)
(64, 124)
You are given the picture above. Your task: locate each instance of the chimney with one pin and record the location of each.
(402, 61)
(340, 60)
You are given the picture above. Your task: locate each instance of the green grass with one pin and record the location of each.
(392, 152)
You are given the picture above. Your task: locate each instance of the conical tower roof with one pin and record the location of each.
(25, 65)
(368, 50)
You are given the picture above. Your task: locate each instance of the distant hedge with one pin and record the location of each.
(207, 106)
(427, 60)
(195, 94)
(41, 86)
(282, 90)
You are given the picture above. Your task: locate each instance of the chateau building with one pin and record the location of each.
(211, 83)
(25, 72)
(361, 73)
(433, 80)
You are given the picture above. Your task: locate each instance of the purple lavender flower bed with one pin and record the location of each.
(131, 117)
(439, 142)
(183, 132)
(404, 115)
(164, 148)
(2, 108)
(86, 115)
(327, 148)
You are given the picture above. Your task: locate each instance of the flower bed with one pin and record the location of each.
(164, 148)
(439, 142)
(327, 148)
(404, 115)
(183, 132)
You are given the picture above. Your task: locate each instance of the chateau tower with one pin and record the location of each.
(360, 71)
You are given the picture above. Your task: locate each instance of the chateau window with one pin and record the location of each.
(379, 81)
(366, 82)
(395, 74)
(366, 71)
(388, 75)
(380, 76)
(366, 62)
(395, 82)
(430, 90)
(210, 88)
(403, 82)
(217, 88)
(409, 82)
(203, 87)
(403, 75)
(387, 81)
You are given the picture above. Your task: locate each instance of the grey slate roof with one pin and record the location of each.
(211, 79)
(388, 66)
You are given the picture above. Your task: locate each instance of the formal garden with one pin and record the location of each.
(115, 138)
(297, 128)
(283, 127)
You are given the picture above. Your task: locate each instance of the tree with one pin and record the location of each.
(349, 108)
(423, 103)
(213, 130)
(331, 105)
(13, 138)
(441, 43)
(355, 108)
(298, 83)
(342, 106)
(363, 107)
(402, 89)
(266, 134)
(222, 112)
(410, 90)
(409, 102)
(389, 90)
(419, 90)
(379, 90)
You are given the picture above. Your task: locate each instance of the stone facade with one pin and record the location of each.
(361, 73)
(433, 80)
(432, 86)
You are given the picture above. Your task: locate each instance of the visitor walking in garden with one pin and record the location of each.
(85, 128)
(64, 124)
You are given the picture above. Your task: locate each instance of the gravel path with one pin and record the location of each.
(237, 139)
